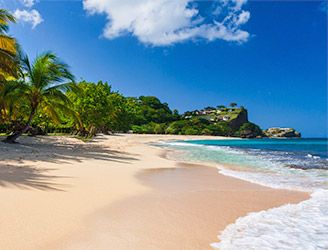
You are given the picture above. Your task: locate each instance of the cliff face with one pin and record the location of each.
(241, 118)
(282, 132)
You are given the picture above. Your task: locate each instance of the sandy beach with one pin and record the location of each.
(118, 192)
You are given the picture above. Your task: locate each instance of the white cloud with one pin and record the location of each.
(28, 16)
(28, 3)
(242, 18)
(165, 22)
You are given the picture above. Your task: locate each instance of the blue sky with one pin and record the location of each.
(270, 57)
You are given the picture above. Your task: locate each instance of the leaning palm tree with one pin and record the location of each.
(8, 47)
(43, 86)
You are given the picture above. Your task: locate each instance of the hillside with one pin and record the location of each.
(233, 116)
(221, 121)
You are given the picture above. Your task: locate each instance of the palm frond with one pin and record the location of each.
(9, 63)
(47, 71)
(50, 110)
(8, 44)
(5, 19)
(56, 95)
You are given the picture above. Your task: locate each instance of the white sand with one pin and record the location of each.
(117, 192)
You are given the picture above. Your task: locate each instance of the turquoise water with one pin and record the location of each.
(316, 147)
(300, 164)
(302, 153)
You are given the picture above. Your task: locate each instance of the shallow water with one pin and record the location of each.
(298, 164)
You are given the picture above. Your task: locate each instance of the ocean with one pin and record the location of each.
(296, 164)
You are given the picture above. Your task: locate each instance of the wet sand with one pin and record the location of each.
(186, 209)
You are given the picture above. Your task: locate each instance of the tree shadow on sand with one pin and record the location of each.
(27, 177)
(61, 150)
(16, 171)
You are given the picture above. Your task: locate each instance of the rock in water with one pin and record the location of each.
(282, 132)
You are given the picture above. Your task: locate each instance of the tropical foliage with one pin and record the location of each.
(42, 88)
(41, 96)
(99, 109)
(8, 48)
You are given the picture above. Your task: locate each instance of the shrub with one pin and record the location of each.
(189, 131)
(159, 128)
(175, 127)
(207, 131)
(249, 130)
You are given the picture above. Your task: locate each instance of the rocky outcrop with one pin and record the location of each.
(241, 118)
(249, 130)
(281, 132)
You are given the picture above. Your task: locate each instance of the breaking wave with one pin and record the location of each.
(302, 226)
(289, 227)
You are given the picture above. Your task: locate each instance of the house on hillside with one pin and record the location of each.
(226, 118)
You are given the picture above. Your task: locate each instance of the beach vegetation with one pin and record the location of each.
(98, 108)
(249, 130)
(41, 97)
(9, 63)
(42, 87)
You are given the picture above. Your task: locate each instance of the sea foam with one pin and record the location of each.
(276, 169)
(289, 227)
(302, 226)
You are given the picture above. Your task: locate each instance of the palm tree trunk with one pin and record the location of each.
(12, 138)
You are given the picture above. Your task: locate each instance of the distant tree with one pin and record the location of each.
(206, 131)
(176, 116)
(220, 106)
(99, 109)
(223, 128)
(249, 130)
(187, 130)
(159, 128)
(119, 116)
(233, 104)
(151, 109)
(198, 121)
(92, 105)
(209, 108)
(188, 113)
(175, 127)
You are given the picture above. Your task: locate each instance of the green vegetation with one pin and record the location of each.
(8, 48)
(42, 97)
(248, 129)
(41, 89)
(98, 109)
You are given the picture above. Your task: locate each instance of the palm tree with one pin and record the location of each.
(10, 100)
(9, 65)
(8, 47)
(43, 86)
(233, 104)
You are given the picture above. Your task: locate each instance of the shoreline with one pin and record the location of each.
(116, 191)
